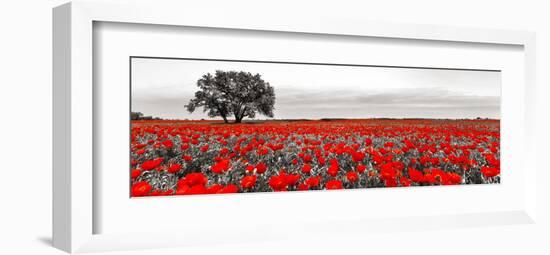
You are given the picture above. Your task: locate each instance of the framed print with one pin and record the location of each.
(281, 127)
(311, 127)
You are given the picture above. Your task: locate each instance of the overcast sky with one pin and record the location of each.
(162, 88)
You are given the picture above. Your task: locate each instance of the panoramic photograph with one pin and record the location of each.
(203, 126)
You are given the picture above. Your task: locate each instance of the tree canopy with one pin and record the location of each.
(226, 93)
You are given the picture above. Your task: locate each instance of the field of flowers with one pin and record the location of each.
(209, 157)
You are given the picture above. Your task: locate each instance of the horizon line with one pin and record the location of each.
(369, 118)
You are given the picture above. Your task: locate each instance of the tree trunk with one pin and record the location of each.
(224, 119)
(238, 118)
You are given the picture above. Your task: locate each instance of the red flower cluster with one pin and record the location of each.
(199, 157)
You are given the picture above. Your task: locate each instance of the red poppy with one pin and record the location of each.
(357, 156)
(292, 179)
(197, 189)
(135, 173)
(193, 179)
(333, 168)
(334, 184)
(215, 188)
(405, 182)
(140, 189)
(184, 146)
(174, 168)
(313, 181)
(250, 168)
(439, 175)
(352, 176)
(307, 158)
(262, 151)
(221, 167)
(151, 164)
(182, 188)
(191, 190)
(368, 142)
(429, 178)
(490, 172)
(453, 178)
(415, 175)
(303, 186)
(361, 168)
(306, 169)
(231, 188)
(248, 182)
(322, 161)
(277, 183)
(261, 168)
(390, 182)
(388, 171)
(168, 144)
(141, 146)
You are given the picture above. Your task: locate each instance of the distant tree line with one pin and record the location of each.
(140, 116)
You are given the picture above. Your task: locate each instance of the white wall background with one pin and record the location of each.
(25, 127)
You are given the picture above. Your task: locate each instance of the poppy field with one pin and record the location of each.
(210, 157)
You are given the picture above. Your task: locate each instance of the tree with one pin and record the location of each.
(240, 94)
(136, 115)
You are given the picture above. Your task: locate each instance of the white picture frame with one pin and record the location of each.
(73, 194)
